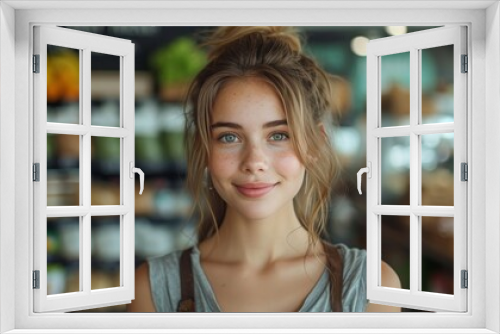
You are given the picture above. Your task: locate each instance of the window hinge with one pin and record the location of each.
(465, 64)
(36, 172)
(465, 279)
(36, 279)
(36, 63)
(464, 171)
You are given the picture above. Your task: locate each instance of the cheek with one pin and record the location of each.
(221, 164)
(289, 164)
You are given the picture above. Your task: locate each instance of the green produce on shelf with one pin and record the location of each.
(173, 145)
(176, 65)
(106, 149)
(147, 148)
(56, 279)
(53, 241)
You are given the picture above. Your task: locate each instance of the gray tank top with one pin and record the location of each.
(164, 275)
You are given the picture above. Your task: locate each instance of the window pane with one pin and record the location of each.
(437, 169)
(105, 89)
(63, 165)
(105, 252)
(395, 170)
(63, 255)
(63, 84)
(437, 84)
(396, 246)
(105, 171)
(395, 83)
(437, 254)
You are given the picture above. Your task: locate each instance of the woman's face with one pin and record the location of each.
(253, 164)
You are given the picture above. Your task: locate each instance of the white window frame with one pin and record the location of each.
(16, 21)
(413, 45)
(123, 51)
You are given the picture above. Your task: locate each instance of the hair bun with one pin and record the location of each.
(222, 37)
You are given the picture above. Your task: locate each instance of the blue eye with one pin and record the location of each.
(228, 138)
(279, 136)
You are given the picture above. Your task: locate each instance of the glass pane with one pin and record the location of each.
(396, 246)
(395, 83)
(437, 84)
(63, 165)
(437, 169)
(63, 84)
(395, 170)
(437, 254)
(63, 255)
(105, 171)
(105, 89)
(105, 252)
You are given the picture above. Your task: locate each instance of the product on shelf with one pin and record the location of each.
(153, 239)
(176, 65)
(63, 71)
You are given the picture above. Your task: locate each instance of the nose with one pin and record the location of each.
(255, 159)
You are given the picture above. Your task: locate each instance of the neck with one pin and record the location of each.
(257, 242)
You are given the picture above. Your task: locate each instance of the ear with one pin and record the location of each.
(321, 127)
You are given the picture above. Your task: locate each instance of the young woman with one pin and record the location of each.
(260, 168)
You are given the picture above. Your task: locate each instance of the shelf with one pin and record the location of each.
(155, 218)
(164, 169)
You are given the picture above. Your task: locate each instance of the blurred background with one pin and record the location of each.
(166, 59)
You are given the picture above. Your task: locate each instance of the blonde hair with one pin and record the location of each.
(273, 54)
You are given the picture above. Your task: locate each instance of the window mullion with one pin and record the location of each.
(415, 251)
(85, 161)
(421, 129)
(429, 129)
(85, 249)
(392, 131)
(96, 210)
(434, 211)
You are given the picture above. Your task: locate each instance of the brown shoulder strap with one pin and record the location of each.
(186, 303)
(335, 270)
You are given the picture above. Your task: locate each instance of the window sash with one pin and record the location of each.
(86, 297)
(413, 43)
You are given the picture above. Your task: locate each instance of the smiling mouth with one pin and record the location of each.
(255, 190)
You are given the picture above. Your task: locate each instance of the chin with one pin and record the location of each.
(259, 212)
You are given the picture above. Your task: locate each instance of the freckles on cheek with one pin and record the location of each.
(221, 163)
(290, 163)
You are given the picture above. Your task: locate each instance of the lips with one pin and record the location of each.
(255, 190)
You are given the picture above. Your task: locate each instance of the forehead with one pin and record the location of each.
(247, 100)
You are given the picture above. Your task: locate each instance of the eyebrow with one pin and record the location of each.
(237, 126)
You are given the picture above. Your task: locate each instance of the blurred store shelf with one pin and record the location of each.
(163, 211)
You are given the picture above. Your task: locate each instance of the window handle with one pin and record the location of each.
(368, 171)
(138, 171)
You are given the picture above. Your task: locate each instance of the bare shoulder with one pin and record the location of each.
(143, 301)
(389, 279)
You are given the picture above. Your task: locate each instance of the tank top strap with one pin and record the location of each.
(186, 303)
